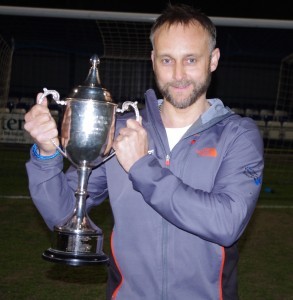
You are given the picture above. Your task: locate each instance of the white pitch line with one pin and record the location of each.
(15, 197)
(274, 206)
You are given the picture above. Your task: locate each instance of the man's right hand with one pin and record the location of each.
(42, 127)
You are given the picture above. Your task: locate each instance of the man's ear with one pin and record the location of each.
(215, 59)
(152, 57)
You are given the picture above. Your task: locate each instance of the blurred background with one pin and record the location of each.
(50, 45)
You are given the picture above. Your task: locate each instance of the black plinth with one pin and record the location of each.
(74, 259)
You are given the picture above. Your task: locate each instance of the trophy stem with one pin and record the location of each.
(79, 241)
(81, 194)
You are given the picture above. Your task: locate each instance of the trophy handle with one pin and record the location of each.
(56, 97)
(125, 107)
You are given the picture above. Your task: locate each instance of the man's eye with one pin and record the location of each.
(191, 60)
(166, 61)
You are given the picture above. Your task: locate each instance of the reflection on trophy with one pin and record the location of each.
(87, 134)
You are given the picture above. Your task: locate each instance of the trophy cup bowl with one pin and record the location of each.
(87, 133)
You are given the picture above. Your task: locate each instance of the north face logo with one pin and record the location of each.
(212, 152)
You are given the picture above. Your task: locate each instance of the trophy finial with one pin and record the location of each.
(95, 60)
(91, 89)
(93, 77)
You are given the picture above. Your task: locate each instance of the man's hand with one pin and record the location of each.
(42, 127)
(131, 144)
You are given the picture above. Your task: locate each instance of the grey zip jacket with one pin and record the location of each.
(177, 214)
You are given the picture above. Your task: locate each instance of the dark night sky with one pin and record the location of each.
(61, 34)
(244, 9)
(81, 38)
(56, 33)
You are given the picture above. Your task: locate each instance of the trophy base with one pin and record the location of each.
(74, 259)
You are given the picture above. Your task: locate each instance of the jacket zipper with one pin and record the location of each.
(167, 160)
(164, 294)
(165, 247)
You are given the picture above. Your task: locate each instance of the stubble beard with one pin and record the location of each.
(199, 88)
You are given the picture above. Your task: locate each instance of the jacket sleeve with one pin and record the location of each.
(220, 215)
(52, 190)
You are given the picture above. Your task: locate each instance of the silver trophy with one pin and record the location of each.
(87, 133)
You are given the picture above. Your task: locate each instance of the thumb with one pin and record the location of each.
(42, 100)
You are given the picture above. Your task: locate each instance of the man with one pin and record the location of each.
(184, 182)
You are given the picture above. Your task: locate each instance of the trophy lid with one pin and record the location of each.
(91, 88)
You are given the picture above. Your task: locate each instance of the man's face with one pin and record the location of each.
(182, 63)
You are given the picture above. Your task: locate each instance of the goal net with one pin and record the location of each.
(126, 63)
(279, 129)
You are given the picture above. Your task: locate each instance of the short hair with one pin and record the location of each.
(184, 14)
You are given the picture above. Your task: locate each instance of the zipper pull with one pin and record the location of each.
(167, 161)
